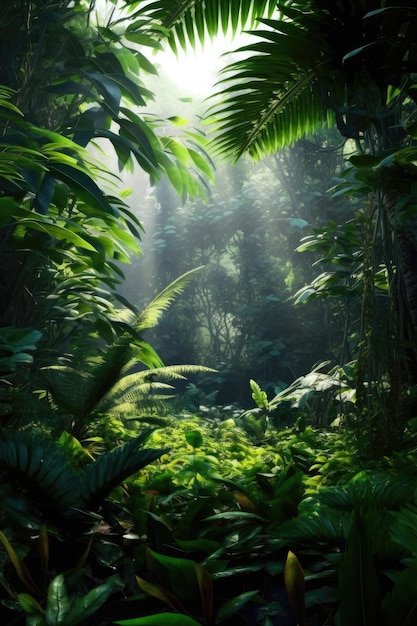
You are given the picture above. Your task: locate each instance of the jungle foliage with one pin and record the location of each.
(118, 506)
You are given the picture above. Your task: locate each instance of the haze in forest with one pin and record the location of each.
(239, 315)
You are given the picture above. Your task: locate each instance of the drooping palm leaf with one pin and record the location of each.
(144, 390)
(186, 21)
(273, 96)
(110, 469)
(298, 75)
(42, 473)
(136, 400)
(41, 467)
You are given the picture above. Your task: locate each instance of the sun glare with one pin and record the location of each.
(193, 71)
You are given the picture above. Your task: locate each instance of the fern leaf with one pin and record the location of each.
(153, 312)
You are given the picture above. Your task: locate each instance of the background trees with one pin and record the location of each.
(239, 315)
(354, 63)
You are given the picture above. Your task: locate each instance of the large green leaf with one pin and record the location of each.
(89, 603)
(58, 603)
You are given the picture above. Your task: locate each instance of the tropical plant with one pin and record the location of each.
(31, 463)
(58, 502)
(64, 604)
(110, 383)
(65, 224)
(355, 529)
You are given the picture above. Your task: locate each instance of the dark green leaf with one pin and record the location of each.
(194, 438)
(58, 603)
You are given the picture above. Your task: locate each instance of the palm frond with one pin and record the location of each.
(37, 466)
(404, 528)
(153, 312)
(136, 386)
(137, 395)
(329, 527)
(174, 372)
(380, 490)
(273, 96)
(41, 467)
(110, 469)
(188, 21)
